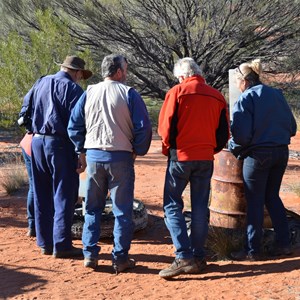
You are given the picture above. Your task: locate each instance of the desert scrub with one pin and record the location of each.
(13, 174)
(153, 106)
(295, 188)
(296, 113)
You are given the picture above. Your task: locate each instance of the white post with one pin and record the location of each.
(234, 92)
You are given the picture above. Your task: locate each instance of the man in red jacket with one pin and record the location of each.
(193, 125)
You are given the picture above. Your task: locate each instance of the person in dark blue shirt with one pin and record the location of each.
(55, 164)
(26, 152)
(261, 129)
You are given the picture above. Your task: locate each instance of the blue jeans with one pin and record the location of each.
(263, 170)
(118, 178)
(30, 199)
(178, 174)
(55, 186)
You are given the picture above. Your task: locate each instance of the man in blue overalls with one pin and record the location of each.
(55, 165)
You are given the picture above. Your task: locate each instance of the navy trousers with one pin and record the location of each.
(263, 170)
(30, 200)
(55, 187)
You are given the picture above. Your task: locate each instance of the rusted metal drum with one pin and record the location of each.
(228, 206)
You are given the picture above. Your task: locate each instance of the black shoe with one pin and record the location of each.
(46, 251)
(31, 232)
(180, 266)
(90, 263)
(73, 252)
(244, 256)
(121, 267)
(281, 251)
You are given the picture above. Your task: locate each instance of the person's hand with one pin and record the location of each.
(81, 163)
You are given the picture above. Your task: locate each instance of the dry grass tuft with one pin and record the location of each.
(295, 188)
(13, 178)
(13, 174)
(222, 241)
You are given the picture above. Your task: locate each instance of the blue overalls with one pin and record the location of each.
(54, 161)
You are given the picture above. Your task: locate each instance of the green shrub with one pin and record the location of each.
(297, 117)
(153, 106)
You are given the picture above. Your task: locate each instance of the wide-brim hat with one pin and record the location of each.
(76, 63)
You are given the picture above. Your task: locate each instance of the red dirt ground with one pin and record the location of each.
(26, 274)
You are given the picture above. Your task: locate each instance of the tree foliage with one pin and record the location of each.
(153, 34)
(24, 58)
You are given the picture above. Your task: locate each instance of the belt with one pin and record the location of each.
(49, 136)
(38, 135)
(41, 135)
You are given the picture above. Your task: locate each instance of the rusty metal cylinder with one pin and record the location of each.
(228, 207)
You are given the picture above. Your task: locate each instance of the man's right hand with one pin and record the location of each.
(81, 163)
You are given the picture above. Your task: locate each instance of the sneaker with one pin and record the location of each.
(90, 263)
(121, 267)
(180, 266)
(31, 232)
(73, 252)
(244, 256)
(201, 263)
(281, 251)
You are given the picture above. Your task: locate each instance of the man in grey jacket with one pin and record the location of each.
(111, 125)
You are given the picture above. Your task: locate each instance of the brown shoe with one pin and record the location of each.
(180, 266)
(201, 263)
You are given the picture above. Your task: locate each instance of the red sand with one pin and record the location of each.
(26, 274)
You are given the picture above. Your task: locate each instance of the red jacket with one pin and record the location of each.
(193, 121)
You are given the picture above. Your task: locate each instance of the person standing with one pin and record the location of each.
(193, 125)
(261, 129)
(54, 161)
(26, 152)
(111, 124)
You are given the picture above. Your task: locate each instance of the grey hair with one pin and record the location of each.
(186, 67)
(111, 63)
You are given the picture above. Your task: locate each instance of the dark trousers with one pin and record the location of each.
(263, 170)
(55, 186)
(30, 200)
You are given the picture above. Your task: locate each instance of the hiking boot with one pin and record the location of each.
(180, 266)
(281, 251)
(201, 264)
(244, 256)
(73, 252)
(121, 267)
(31, 232)
(90, 263)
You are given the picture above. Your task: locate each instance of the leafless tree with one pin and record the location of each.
(153, 34)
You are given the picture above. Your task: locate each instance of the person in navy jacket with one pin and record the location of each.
(261, 129)
(54, 161)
